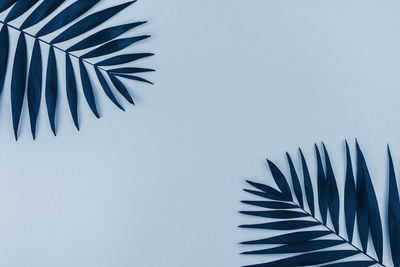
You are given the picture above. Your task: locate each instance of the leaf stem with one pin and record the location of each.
(342, 238)
(50, 44)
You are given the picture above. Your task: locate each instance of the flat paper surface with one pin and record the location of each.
(236, 82)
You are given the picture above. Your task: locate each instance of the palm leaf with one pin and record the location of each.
(315, 239)
(35, 85)
(18, 81)
(393, 214)
(72, 21)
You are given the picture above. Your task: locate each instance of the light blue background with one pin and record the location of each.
(236, 82)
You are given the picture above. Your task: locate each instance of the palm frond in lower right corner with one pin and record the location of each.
(308, 237)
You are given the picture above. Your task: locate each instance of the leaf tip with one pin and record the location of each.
(389, 153)
(346, 144)
(358, 147)
(324, 147)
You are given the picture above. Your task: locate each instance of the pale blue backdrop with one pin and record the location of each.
(236, 82)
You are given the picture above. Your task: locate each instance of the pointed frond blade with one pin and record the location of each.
(310, 259)
(333, 192)
(350, 201)
(374, 217)
(18, 82)
(270, 204)
(51, 88)
(90, 22)
(107, 89)
(5, 47)
(282, 225)
(307, 184)
(132, 77)
(114, 46)
(267, 195)
(72, 92)
(270, 192)
(372, 210)
(280, 180)
(351, 264)
(291, 238)
(34, 87)
(393, 214)
(375, 224)
(308, 246)
(103, 36)
(19, 8)
(362, 202)
(5, 4)
(66, 16)
(295, 181)
(88, 89)
(130, 70)
(276, 214)
(121, 88)
(123, 59)
(322, 188)
(41, 12)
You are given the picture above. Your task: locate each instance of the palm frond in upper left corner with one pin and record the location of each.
(73, 22)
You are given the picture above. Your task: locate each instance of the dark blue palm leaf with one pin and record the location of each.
(103, 36)
(350, 201)
(282, 225)
(309, 259)
(52, 88)
(5, 4)
(89, 23)
(322, 188)
(103, 43)
(276, 214)
(270, 204)
(333, 192)
(295, 181)
(66, 16)
(351, 264)
(121, 88)
(374, 220)
(88, 89)
(306, 244)
(5, 47)
(295, 248)
(122, 59)
(72, 92)
(129, 70)
(131, 77)
(362, 203)
(114, 46)
(18, 82)
(19, 8)
(393, 214)
(41, 12)
(34, 89)
(280, 180)
(107, 89)
(266, 195)
(268, 191)
(307, 184)
(291, 238)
